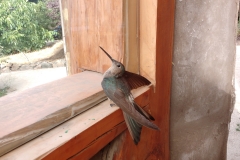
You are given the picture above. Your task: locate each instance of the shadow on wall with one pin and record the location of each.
(202, 94)
(199, 122)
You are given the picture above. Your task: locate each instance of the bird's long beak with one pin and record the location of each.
(107, 53)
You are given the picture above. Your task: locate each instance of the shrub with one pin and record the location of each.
(23, 26)
(54, 15)
(54, 12)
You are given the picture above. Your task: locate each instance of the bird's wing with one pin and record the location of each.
(126, 103)
(134, 128)
(144, 113)
(135, 80)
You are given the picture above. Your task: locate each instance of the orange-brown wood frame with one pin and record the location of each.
(154, 144)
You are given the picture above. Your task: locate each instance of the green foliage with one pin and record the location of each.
(23, 26)
(3, 91)
(238, 127)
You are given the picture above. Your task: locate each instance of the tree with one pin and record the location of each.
(23, 26)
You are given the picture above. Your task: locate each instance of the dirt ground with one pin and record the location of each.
(51, 52)
(50, 57)
(19, 79)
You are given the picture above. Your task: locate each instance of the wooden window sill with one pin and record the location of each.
(47, 106)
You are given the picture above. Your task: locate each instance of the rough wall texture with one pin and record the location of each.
(202, 91)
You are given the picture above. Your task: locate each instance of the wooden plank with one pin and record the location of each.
(80, 131)
(154, 144)
(79, 143)
(91, 24)
(32, 112)
(148, 27)
(98, 144)
(82, 135)
(83, 139)
(131, 35)
(164, 50)
(65, 34)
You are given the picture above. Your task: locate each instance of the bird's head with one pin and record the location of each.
(116, 70)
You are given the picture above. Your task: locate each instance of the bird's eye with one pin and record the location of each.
(118, 66)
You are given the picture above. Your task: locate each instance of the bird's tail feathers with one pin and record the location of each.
(144, 113)
(134, 128)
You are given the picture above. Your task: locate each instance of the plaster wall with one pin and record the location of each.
(202, 94)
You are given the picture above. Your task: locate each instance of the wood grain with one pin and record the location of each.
(90, 24)
(70, 137)
(65, 33)
(148, 27)
(82, 53)
(81, 136)
(84, 141)
(32, 112)
(95, 146)
(131, 35)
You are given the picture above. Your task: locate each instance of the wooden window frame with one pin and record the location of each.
(92, 138)
(71, 134)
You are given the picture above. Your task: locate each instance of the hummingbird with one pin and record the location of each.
(117, 84)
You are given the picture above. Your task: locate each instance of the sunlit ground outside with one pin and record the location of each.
(233, 149)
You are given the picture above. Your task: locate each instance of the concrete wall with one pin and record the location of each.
(202, 89)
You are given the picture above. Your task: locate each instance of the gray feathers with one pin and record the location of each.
(117, 84)
(134, 128)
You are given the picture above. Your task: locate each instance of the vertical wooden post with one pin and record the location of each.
(131, 35)
(148, 30)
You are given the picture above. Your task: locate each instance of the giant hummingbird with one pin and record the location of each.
(117, 84)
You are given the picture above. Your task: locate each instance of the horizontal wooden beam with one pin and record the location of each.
(99, 143)
(80, 141)
(81, 136)
(27, 114)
